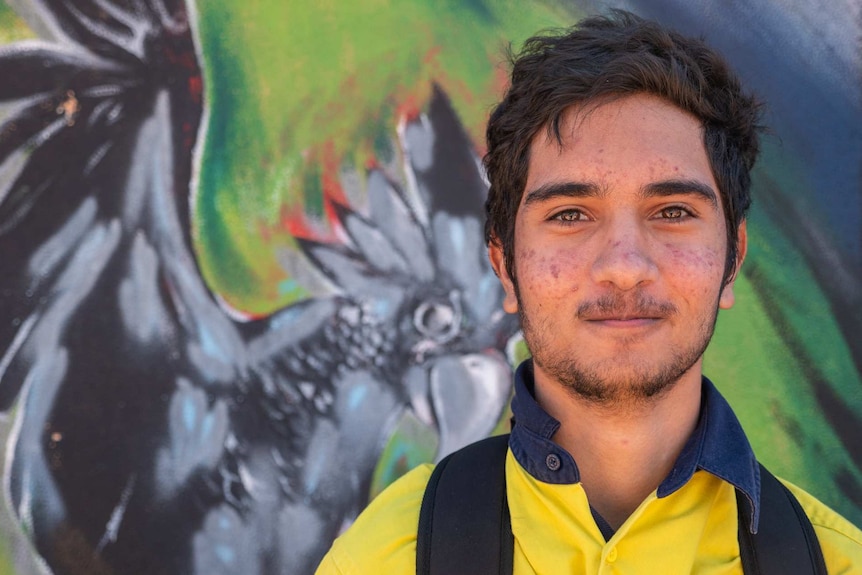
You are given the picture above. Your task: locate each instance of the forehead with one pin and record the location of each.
(624, 143)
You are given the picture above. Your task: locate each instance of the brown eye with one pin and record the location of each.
(570, 216)
(673, 213)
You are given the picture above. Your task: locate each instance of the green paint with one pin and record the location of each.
(290, 288)
(286, 78)
(12, 27)
(411, 444)
(313, 191)
(762, 378)
(6, 564)
(226, 228)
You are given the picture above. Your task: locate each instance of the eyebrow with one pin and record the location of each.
(590, 190)
(564, 190)
(680, 187)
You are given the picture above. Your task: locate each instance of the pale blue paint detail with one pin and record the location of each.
(223, 523)
(189, 415)
(381, 307)
(487, 286)
(488, 294)
(288, 287)
(209, 345)
(314, 467)
(225, 554)
(284, 318)
(485, 301)
(207, 426)
(356, 396)
(457, 233)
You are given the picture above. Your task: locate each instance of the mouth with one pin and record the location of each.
(616, 312)
(622, 315)
(624, 321)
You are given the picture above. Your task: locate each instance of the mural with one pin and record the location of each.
(242, 276)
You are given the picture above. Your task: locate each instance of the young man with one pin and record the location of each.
(619, 166)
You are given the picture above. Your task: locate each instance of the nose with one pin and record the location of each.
(624, 258)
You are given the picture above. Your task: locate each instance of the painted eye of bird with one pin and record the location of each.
(438, 320)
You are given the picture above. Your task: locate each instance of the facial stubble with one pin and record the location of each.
(614, 382)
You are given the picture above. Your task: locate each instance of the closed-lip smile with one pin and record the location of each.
(619, 316)
(623, 321)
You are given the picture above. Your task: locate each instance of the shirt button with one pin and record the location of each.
(612, 555)
(552, 461)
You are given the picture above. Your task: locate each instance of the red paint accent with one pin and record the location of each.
(196, 88)
(409, 108)
(295, 222)
(431, 55)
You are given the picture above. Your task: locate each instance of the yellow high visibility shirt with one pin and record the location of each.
(693, 530)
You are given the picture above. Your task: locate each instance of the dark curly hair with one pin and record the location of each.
(608, 57)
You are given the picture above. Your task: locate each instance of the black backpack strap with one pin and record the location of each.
(785, 541)
(464, 523)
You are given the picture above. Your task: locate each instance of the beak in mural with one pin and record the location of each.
(461, 397)
(155, 432)
(450, 324)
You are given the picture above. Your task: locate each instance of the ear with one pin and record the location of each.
(727, 299)
(498, 262)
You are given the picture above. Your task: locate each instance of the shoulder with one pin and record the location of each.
(840, 540)
(383, 537)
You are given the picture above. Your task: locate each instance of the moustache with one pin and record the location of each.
(618, 306)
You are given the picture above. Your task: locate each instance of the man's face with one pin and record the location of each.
(620, 249)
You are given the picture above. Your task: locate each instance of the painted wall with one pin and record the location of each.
(242, 277)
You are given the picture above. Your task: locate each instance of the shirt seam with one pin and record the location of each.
(837, 531)
(342, 560)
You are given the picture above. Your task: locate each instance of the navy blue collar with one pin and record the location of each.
(718, 446)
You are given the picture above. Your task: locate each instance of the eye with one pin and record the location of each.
(438, 320)
(571, 215)
(674, 213)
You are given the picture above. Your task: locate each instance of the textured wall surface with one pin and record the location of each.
(243, 283)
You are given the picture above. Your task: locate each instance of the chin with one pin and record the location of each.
(618, 383)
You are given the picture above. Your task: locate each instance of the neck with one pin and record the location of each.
(623, 451)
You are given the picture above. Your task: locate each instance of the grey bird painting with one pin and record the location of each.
(153, 430)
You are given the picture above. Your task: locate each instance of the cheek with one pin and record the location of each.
(552, 273)
(699, 268)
